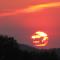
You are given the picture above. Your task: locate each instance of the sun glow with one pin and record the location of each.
(40, 38)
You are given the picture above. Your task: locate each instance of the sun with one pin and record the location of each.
(40, 38)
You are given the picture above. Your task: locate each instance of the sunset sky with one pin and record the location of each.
(21, 18)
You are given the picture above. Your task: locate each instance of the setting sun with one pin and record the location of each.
(40, 39)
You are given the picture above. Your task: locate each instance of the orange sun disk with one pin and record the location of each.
(37, 41)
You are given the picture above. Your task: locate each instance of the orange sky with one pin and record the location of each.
(22, 26)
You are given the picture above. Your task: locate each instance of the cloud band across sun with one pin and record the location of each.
(31, 9)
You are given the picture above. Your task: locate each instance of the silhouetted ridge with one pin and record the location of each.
(11, 50)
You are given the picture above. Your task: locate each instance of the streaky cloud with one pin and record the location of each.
(32, 9)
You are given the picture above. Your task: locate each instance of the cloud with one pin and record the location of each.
(32, 9)
(41, 6)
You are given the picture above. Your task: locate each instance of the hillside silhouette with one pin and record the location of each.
(11, 50)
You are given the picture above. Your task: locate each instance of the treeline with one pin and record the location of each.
(10, 50)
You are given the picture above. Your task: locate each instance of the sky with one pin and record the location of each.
(22, 18)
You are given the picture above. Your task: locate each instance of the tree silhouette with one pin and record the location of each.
(9, 49)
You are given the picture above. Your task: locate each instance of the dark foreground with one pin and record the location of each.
(11, 50)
